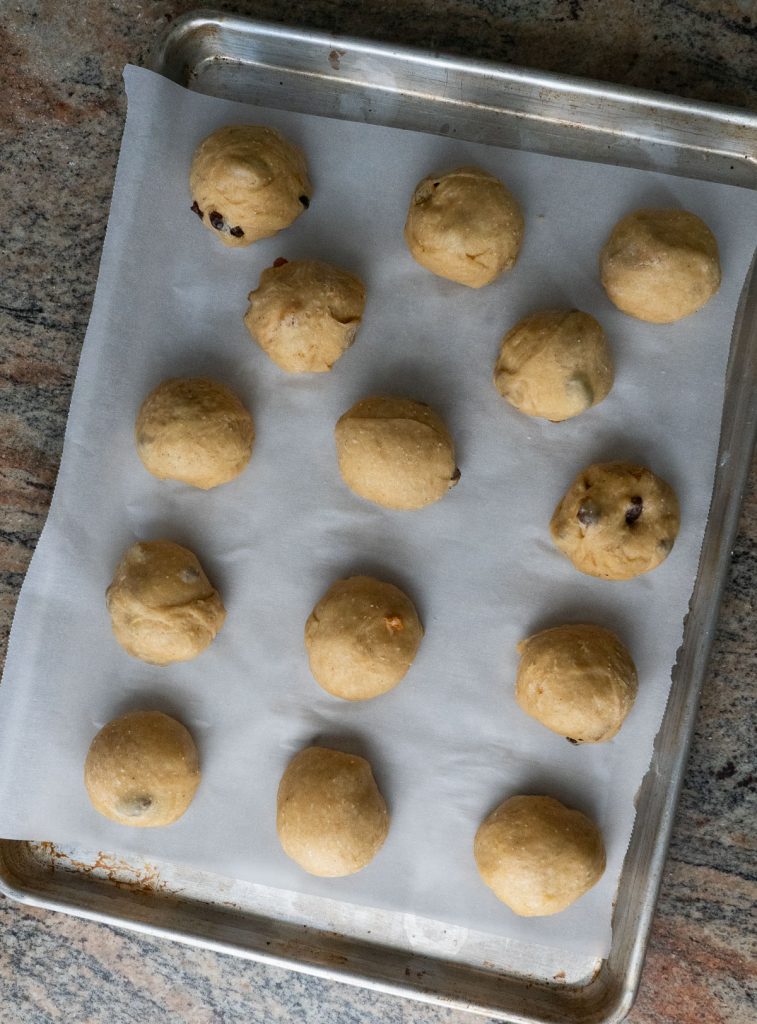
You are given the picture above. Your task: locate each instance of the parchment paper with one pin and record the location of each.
(450, 742)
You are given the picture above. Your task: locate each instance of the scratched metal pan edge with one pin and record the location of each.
(244, 59)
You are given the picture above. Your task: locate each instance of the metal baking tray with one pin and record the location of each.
(294, 69)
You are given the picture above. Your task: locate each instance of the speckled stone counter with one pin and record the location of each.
(61, 115)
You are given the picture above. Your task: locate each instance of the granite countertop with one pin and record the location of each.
(61, 110)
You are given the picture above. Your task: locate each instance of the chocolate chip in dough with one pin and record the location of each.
(305, 201)
(196, 209)
(216, 220)
(237, 232)
(634, 510)
(588, 513)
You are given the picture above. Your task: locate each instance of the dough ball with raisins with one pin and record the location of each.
(162, 606)
(554, 364)
(660, 265)
(142, 770)
(305, 314)
(194, 430)
(361, 638)
(465, 226)
(616, 521)
(247, 182)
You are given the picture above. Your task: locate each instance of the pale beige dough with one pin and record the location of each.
(247, 182)
(194, 430)
(142, 770)
(579, 681)
(361, 638)
(555, 364)
(464, 225)
(396, 452)
(330, 816)
(616, 521)
(305, 314)
(660, 265)
(537, 855)
(162, 606)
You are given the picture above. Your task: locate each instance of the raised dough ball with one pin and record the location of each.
(616, 520)
(538, 856)
(247, 182)
(330, 817)
(554, 364)
(162, 606)
(361, 638)
(579, 681)
(660, 265)
(194, 430)
(465, 226)
(396, 452)
(142, 770)
(305, 314)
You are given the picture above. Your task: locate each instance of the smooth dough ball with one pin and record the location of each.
(554, 364)
(162, 606)
(361, 638)
(194, 430)
(330, 817)
(247, 182)
(396, 452)
(537, 855)
(616, 521)
(660, 265)
(305, 314)
(464, 226)
(579, 681)
(142, 770)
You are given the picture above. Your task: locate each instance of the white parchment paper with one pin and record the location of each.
(450, 742)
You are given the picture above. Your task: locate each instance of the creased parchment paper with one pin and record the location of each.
(450, 742)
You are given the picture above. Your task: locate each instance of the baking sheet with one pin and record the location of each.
(450, 742)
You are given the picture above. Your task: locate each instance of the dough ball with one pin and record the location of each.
(537, 855)
(660, 265)
(361, 638)
(305, 314)
(616, 521)
(142, 770)
(464, 226)
(396, 452)
(554, 364)
(330, 817)
(162, 606)
(247, 182)
(579, 681)
(194, 430)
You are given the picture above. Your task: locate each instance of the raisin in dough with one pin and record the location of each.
(247, 182)
(330, 816)
(538, 856)
(361, 638)
(464, 225)
(396, 452)
(162, 606)
(660, 265)
(554, 364)
(579, 681)
(194, 430)
(616, 521)
(142, 770)
(305, 314)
